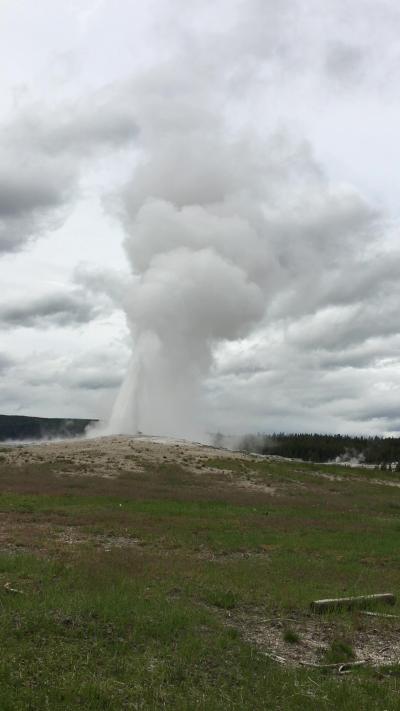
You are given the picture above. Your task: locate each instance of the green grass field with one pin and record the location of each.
(173, 585)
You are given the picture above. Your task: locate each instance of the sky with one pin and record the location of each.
(199, 204)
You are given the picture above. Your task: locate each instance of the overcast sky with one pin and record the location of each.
(252, 140)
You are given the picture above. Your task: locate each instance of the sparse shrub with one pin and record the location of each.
(233, 633)
(340, 651)
(225, 599)
(291, 636)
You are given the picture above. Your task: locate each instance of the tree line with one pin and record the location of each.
(19, 427)
(325, 447)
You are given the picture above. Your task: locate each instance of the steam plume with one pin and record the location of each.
(224, 227)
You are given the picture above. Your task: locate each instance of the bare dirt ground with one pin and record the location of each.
(373, 643)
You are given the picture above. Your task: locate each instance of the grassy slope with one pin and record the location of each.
(146, 626)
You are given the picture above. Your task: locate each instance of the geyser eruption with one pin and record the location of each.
(183, 303)
(223, 227)
(200, 276)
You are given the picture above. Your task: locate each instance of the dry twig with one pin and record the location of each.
(9, 589)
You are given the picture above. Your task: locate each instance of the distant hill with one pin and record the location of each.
(18, 427)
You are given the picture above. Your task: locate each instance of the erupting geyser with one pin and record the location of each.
(221, 225)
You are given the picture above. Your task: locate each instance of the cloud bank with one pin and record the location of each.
(259, 215)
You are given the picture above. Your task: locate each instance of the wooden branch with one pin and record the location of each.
(351, 602)
(275, 658)
(341, 667)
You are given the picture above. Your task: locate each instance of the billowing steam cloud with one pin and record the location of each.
(224, 228)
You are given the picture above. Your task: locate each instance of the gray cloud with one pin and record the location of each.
(103, 119)
(34, 191)
(351, 387)
(346, 63)
(41, 154)
(57, 309)
(102, 282)
(99, 381)
(6, 362)
(68, 385)
(24, 193)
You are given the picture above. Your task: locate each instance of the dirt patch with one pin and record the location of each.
(301, 640)
(19, 536)
(225, 556)
(255, 486)
(74, 537)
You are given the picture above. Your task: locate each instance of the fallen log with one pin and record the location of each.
(368, 613)
(350, 603)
